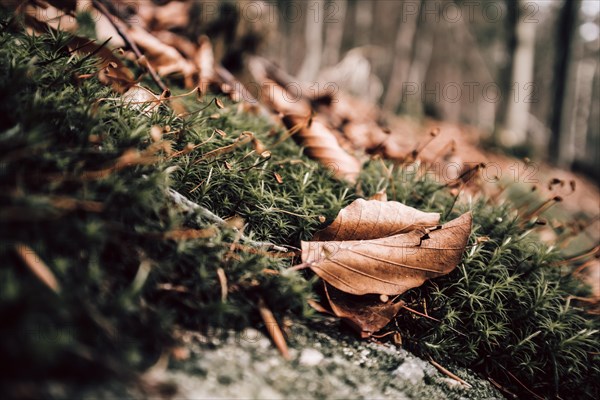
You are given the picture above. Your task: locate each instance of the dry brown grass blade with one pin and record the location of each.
(37, 266)
(223, 282)
(129, 159)
(190, 234)
(273, 328)
(372, 219)
(244, 138)
(389, 265)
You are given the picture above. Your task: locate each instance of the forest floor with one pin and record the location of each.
(152, 242)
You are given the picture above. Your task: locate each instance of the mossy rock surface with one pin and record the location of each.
(326, 363)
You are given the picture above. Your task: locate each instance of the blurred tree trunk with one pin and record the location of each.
(412, 88)
(517, 112)
(505, 71)
(566, 27)
(576, 147)
(314, 41)
(363, 22)
(335, 18)
(405, 38)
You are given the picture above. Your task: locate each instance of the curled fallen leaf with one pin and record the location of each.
(165, 58)
(372, 219)
(359, 264)
(364, 314)
(318, 139)
(142, 99)
(321, 144)
(204, 59)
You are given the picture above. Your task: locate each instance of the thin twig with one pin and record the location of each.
(502, 388)
(433, 319)
(448, 373)
(523, 385)
(190, 207)
(273, 329)
(37, 266)
(223, 282)
(99, 4)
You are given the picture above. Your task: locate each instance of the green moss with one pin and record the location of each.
(505, 309)
(115, 310)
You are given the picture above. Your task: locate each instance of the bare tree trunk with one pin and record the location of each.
(314, 41)
(405, 37)
(584, 88)
(517, 113)
(363, 22)
(566, 27)
(412, 89)
(335, 18)
(505, 71)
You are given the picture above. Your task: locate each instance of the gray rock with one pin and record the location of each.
(411, 370)
(326, 363)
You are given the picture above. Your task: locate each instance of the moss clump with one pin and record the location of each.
(127, 279)
(125, 283)
(505, 310)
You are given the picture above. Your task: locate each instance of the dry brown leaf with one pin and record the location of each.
(66, 5)
(317, 138)
(321, 144)
(278, 99)
(365, 314)
(173, 15)
(205, 62)
(372, 219)
(182, 44)
(142, 99)
(389, 265)
(166, 59)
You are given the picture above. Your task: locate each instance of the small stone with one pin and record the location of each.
(452, 383)
(311, 357)
(410, 370)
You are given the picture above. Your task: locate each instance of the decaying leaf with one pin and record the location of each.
(165, 58)
(388, 265)
(372, 219)
(365, 314)
(205, 61)
(141, 98)
(317, 138)
(321, 144)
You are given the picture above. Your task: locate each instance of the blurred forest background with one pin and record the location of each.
(524, 72)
